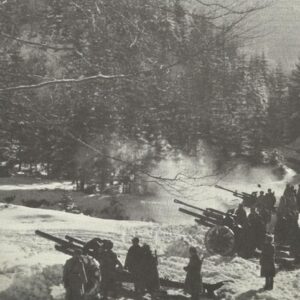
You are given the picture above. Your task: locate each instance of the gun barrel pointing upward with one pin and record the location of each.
(235, 193)
(188, 205)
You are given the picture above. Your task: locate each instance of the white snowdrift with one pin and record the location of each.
(30, 268)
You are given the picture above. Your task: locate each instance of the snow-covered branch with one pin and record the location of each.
(62, 81)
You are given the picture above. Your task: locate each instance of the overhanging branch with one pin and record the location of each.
(62, 81)
(36, 44)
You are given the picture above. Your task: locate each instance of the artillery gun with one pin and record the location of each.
(248, 199)
(225, 237)
(71, 244)
(219, 239)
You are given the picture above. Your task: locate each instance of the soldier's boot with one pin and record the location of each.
(266, 286)
(271, 283)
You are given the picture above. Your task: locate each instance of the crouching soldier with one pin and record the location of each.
(193, 280)
(80, 277)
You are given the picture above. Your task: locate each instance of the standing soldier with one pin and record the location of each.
(149, 274)
(267, 262)
(298, 197)
(109, 263)
(80, 276)
(133, 263)
(193, 280)
(257, 226)
(270, 200)
(241, 215)
(260, 202)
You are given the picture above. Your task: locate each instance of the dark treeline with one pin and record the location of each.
(185, 79)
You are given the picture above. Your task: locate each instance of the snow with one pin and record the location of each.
(65, 185)
(30, 268)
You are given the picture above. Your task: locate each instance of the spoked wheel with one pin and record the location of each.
(220, 240)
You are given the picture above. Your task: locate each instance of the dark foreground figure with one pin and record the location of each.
(80, 276)
(193, 281)
(267, 262)
(133, 264)
(109, 265)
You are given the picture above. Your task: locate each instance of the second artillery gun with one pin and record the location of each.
(248, 199)
(219, 239)
(225, 237)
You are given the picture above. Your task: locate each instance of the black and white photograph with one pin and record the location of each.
(149, 149)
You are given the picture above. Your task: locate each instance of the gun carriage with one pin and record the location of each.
(70, 244)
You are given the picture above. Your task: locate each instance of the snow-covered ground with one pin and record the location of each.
(30, 268)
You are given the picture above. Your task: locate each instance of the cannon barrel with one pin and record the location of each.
(235, 193)
(216, 211)
(248, 199)
(205, 219)
(206, 212)
(188, 212)
(59, 241)
(213, 214)
(64, 250)
(210, 220)
(204, 223)
(188, 205)
(75, 240)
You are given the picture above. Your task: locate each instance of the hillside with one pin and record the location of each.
(32, 269)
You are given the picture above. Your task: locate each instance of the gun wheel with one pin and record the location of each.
(220, 240)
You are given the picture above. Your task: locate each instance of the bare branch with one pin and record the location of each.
(231, 9)
(36, 44)
(62, 81)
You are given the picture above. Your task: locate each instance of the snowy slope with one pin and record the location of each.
(30, 268)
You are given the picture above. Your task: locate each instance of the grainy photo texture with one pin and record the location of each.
(149, 149)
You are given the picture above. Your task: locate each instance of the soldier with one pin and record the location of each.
(133, 263)
(257, 225)
(241, 215)
(253, 215)
(80, 276)
(109, 263)
(265, 214)
(298, 197)
(248, 241)
(270, 200)
(287, 190)
(260, 202)
(267, 262)
(193, 280)
(149, 274)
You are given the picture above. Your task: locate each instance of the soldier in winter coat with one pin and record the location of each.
(80, 276)
(109, 263)
(193, 280)
(133, 263)
(267, 262)
(149, 276)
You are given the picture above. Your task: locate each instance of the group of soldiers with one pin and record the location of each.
(96, 272)
(264, 218)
